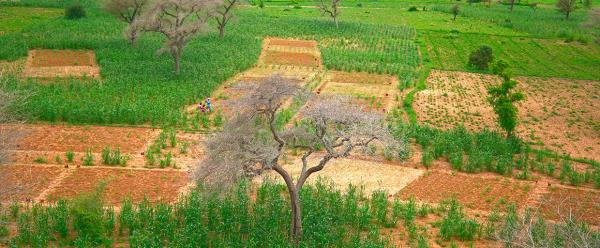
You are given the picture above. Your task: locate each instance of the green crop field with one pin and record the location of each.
(485, 121)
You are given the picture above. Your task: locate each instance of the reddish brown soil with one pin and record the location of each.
(292, 43)
(50, 58)
(80, 138)
(559, 114)
(583, 204)
(155, 185)
(474, 191)
(361, 78)
(25, 182)
(290, 58)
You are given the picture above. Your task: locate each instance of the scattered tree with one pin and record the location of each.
(533, 6)
(252, 143)
(566, 7)
(512, 5)
(331, 8)
(481, 57)
(75, 11)
(178, 20)
(224, 14)
(503, 99)
(455, 10)
(127, 11)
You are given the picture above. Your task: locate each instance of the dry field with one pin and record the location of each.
(581, 203)
(560, 114)
(25, 182)
(119, 184)
(50, 64)
(374, 91)
(343, 172)
(290, 54)
(473, 191)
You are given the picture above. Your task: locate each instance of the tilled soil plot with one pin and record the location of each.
(61, 63)
(368, 174)
(473, 191)
(81, 138)
(291, 58)
(583, 204)
(119, 184)
(559, 114)
(373, 91)
(25, 182)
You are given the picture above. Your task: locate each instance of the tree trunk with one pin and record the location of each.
(336, 22)
(296, 226)
(221, 31)
(177, 58)
(568, 13)
(512, 5)
(454, 17)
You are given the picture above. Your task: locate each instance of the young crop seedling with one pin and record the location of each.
(88, 158)
(70, 156)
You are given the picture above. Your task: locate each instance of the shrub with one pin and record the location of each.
(481, 58)
(75, 11)
(412, 9)
(455, 225)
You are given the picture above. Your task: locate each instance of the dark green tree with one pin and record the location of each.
(503, 98)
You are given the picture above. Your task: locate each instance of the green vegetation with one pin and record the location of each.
(14, 19)
(503, 98)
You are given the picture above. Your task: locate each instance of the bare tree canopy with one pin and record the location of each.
(178, 20)
(566, 7)
(127, 11)
(251, 143)
(331, 8)
(224, 14)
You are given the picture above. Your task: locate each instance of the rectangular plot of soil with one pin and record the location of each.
(80, 138)
(475, 192)
(23, 182)
(61, 63)
(155, 185)
(372, 175)
(290, 58)
(292, 43)
(50, 58)
(583, 204)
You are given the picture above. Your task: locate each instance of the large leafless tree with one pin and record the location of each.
(179, 21)
(127, 11)
(331, 8)
(252, 143)
(224, 14)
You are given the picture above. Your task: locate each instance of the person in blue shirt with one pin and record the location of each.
(208, 104)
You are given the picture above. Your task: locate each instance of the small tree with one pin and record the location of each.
(566, 7)
(75, 11)
(224, 14)
(481, 57)
(533, 6)
(331, 8)
(455, 10)
(503, 99)
(251, 143)
(127, 11)
(178, 20)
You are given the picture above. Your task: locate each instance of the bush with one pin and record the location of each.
(412, 8)
(74, 11)
(481, 58)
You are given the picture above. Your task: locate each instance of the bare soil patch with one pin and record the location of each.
(25, 182)
(583, 204)
(292, 43)
(559, 114)
(369, 174)
(155, 185)
(291, 58)
(473, 191)
(61, 63)
(81, 138)
(373, 91)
